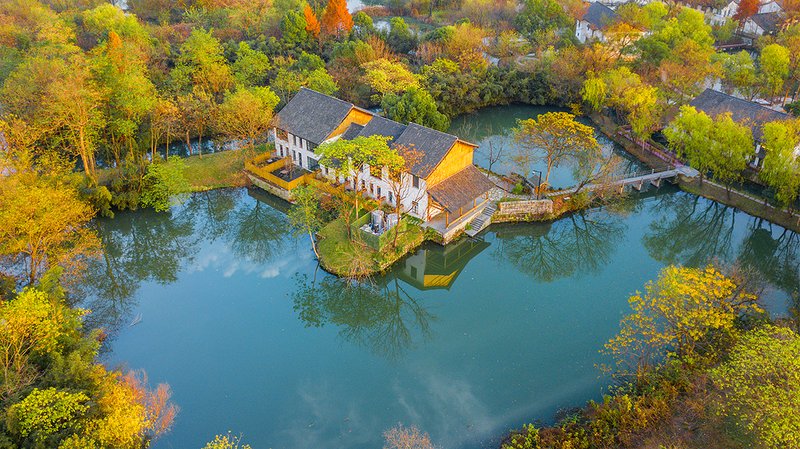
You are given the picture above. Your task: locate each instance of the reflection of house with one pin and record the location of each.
(597, 18)
(443, 182)
(435, 267)
(762, 24)
(754, 115)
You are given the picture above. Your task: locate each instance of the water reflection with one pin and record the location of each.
(380, 315)
(437, 267)
(144, 246)
(579, 244)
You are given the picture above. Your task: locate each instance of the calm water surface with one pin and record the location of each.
(466, 342)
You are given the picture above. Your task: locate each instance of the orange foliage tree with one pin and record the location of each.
(312, 24)
(746, 9)
(337, 18)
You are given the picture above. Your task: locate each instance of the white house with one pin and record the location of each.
(443, 182)
(762, 24)
(595, 20)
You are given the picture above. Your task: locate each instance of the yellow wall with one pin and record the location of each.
(458, 158)
(354, 116)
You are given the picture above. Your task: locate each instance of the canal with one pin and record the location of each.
(221, 301)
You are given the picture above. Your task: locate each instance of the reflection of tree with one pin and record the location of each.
(380, 317)
(257, 232)
(776, 259)
(580, 243)
(689, 230)
(214, 208)
(138, 246)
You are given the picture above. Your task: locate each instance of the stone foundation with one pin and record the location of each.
(526, 210)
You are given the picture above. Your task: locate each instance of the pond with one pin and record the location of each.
(493, 130)
(218, 299)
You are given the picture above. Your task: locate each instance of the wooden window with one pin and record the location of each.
(414, 207)
(415, 181)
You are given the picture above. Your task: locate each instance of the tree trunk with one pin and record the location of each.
(188, 143)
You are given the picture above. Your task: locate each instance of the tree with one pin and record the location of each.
(690, 136)
(43, 226)
(415, 105)
(45, 413)
(251, 67)
(226, 442)
(541, 15)
(294, 30)
(739, 73)
(400, 38)
(353, 160)
(400, 437)
(388, 77)
(759, 386)
(164, 121)
(774, 68)
(165, 184)
(336, 21)
(781, 170)
(745, 9)
(34, 327)
(674, 314)
(559, 138)
(731, 148)
(401, 183)
(594, 92)
(312, 24)
(305, 214)
(246, 114)
(201, 65)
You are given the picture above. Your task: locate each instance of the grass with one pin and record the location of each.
(217, 170)
(350, 258)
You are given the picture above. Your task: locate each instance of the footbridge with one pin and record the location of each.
(636, 181)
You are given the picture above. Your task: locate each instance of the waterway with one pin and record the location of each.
(465, 342)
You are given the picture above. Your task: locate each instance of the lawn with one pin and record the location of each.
(217, 170)
(350, 258)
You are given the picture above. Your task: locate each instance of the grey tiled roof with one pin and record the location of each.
(767, 21)
(312, 115)
(460, 189)
(382, 126)
(431, 143)
(352, 131)
(600, 15)
(754, 115)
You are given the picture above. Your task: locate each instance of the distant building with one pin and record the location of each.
(597, 18)
(443, 183)
(763, 24)
(753, 115)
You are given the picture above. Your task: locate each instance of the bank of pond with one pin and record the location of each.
(467, 341)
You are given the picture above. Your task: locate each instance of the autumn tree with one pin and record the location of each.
(388, 77)
(246, 114)
(739, 73)
(401, 437)
(312, 24)
(758, 386)
(555, 138)
(745, 9)
(674, 314)
(164, 123)
(43, 225)
(336, 21)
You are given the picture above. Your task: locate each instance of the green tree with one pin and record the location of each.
(731, 148)
(555, 138)
(594, 92)
(773, 63)
(541, 15)
(400, 38)
(251, 67)
(293, 30)
(45, 413)
(739, 72)
(415, 105)
(201, 65)
(388, 77)
(690, 136)
(781, 170)
(165, 184)
(759, 386)
(305, 214)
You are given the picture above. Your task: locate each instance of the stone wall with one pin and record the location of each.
(528, 210)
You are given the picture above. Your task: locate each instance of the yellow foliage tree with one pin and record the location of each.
(676, 312)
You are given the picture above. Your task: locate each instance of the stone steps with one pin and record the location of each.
(480, 222)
